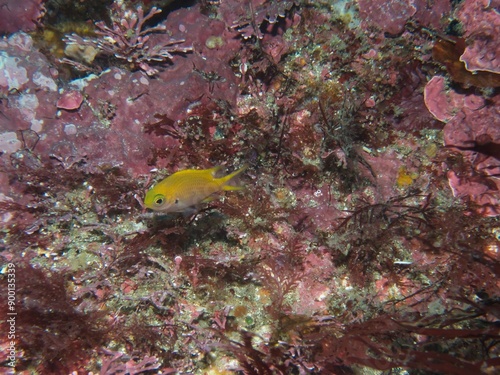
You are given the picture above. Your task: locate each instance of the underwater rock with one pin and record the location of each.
(481, 22)
(20, 15)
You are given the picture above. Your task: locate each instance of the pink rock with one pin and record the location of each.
(479, 190)
(482, 55)
(430, 13)
(70, 100)
(473, 129)
(390, 16)
(19, 15)
(469, 125)
(441, 103)
(481, 22)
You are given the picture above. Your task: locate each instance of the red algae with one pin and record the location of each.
(365, 237)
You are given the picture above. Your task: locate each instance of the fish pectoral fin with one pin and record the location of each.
(232, 188)
(208, 199)
(190, 211)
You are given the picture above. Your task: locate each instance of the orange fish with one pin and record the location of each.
(187, 189)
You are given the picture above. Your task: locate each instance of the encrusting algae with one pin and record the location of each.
(188, 188)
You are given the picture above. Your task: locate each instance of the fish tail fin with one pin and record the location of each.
(224, 180)
(214, 170)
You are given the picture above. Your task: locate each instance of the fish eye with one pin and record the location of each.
(176, 200)
(159, 200)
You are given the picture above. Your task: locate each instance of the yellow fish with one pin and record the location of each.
(188, 188)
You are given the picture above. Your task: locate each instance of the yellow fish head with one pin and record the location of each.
(160, 202)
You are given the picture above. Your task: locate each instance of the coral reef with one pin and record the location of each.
(366, 237)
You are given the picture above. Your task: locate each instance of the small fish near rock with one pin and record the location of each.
(184, 190)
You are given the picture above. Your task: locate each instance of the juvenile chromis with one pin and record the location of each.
(184, 190)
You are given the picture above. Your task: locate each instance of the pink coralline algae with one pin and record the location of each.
(481, 191)
(70, 100)
(472, 128)
(18, 15)
(109, 124)
(391, 16)
(440, 103)
(481, 22)
(71, 135)
(431, 14)
(14, 75)
(27, 72)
